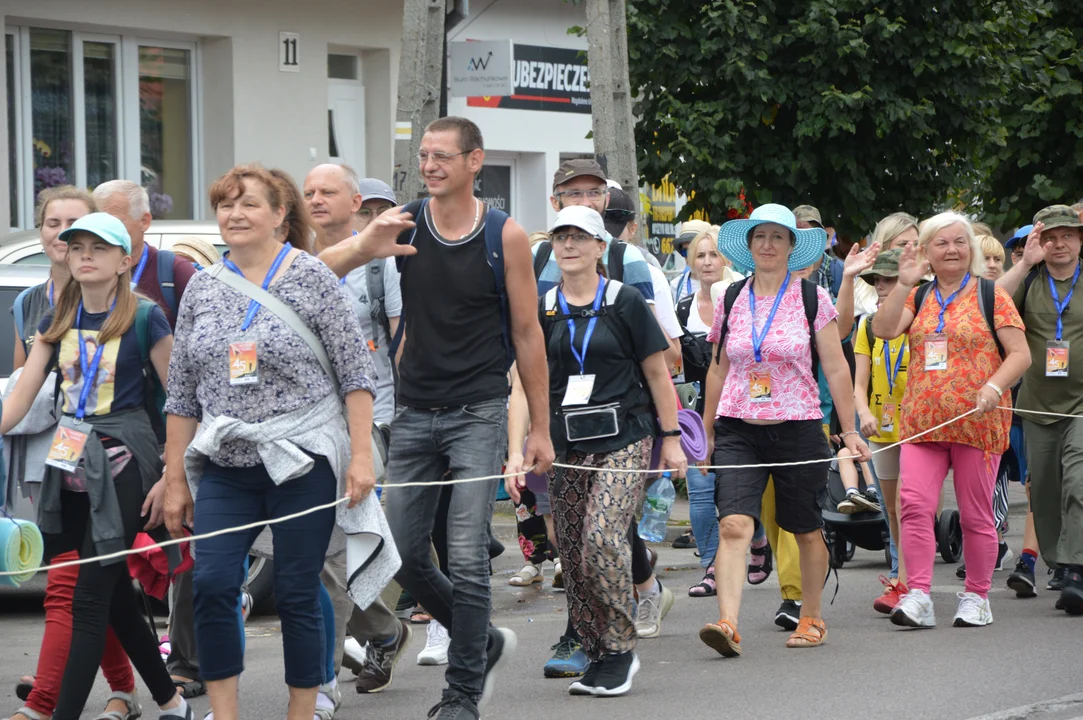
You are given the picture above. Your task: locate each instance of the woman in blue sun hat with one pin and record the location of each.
(762, 405)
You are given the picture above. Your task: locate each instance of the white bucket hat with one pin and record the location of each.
(808, 247)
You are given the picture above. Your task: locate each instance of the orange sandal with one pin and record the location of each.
(722, 637)
(809, 633)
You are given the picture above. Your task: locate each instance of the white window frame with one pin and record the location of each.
(129, 159)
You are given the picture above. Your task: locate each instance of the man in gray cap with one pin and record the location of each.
(1042, 283)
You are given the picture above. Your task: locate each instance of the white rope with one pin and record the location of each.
(459, 481)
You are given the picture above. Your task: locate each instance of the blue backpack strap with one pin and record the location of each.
(836, 277)
(165, 280)
(494, 253)
(154, 393)
(17, 311)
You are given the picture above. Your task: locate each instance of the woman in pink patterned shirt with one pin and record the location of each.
(762, 405)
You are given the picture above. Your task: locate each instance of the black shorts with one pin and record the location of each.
(798, 488)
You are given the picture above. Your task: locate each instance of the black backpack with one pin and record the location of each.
(986, 301)
(809, 298)
(614, 268)
(695, 350)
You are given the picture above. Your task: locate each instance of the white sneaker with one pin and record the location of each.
(974, 611)
(651, 611)
(436, 644)
(354, 655)
(915, 609)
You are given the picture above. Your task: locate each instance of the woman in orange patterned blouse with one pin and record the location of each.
(956, 367)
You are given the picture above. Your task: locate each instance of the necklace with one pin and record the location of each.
(477, 214)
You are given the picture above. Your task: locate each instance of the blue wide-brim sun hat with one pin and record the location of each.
(733, 237)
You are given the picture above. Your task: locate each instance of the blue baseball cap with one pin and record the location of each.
(104, 226)
(1020, 234)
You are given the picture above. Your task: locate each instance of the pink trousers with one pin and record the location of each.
(923, 467)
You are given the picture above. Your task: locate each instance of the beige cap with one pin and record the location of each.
(197, 249)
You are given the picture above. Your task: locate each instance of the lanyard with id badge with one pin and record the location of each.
(581, 422)
(71, 434)
(1056, 351)
(244, 349)
(936, 345)
(759, 379)
(891, 408)
(138, 274)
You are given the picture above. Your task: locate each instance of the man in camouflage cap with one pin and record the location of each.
(1042, 283)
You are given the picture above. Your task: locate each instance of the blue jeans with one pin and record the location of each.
(229, 497)
(467, 441)
(703, 513)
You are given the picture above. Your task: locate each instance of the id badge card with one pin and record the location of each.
(1056, 358)
(68, 444)
(887, 419)
(759, 386)
(244, 362)
(936, 352)
(579, 389)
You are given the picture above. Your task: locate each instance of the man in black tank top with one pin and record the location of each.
(452, 396)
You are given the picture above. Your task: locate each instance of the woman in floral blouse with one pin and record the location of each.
(956, 367)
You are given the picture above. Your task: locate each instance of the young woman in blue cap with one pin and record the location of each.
(762, 405)
(102, 485)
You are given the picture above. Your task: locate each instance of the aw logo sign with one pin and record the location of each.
(480, 68)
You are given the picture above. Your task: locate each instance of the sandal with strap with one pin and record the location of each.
(706, 586)
(418, 616)
(529, 575)
(189, 689)
(135, 710)
(722, 637)
(809, 633)
(26, 713)
(760, 565)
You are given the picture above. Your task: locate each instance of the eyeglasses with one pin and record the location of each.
(577, 238)
(440, 158)
(618, 215)
(595, 194)
(369, 213)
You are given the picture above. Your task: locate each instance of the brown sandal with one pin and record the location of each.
(809, 633)
(722, 637)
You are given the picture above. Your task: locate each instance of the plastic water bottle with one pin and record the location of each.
(660, 497)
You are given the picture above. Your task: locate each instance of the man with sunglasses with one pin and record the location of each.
(342, 204)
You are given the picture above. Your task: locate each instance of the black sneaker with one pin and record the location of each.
(685, 541)
(960, 572)
(1004, 555)
(585, 685)
(455, 706)
(615, 675)
(1022, 580)
(380, 661)
(1056, 583)
(1071, 594)
(502, 643)
(867, 502)
(788, 615)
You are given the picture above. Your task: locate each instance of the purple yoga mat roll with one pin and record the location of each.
(693, 436)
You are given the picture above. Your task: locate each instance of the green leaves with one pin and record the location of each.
(860, 110)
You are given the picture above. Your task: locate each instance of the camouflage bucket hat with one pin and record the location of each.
(1056, 216)
(886, 265)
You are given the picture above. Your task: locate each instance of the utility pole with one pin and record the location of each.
(610, 96)
(420, 79)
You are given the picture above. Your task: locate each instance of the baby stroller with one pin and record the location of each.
(845, 533)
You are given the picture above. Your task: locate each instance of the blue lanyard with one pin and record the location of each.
(581, 357)
(757, 341)
(253, 306)
(893, 374)
(688, 282)
(951, 298)
(141, 267)
(90, 369)
(1058, 304)
(50, 286)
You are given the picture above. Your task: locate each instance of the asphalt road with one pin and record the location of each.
(1026, 665)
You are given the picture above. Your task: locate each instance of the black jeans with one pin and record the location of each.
(104, 598)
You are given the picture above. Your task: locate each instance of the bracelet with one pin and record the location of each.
(671, 433)
(842, 436)
(998, 390)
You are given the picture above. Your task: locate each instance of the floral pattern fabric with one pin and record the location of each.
(786, 355)
(936, 396)
(290, 376)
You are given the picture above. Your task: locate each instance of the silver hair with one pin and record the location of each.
(353, 180)
(138, 200)
(930, 227)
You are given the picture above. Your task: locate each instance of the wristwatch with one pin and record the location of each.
(671, 433)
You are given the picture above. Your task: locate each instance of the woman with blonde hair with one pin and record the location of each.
(992, 253)
(895, 231)
(967, 348)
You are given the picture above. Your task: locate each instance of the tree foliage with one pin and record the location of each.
(859, 108)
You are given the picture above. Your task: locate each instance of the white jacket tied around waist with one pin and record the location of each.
(284, 444)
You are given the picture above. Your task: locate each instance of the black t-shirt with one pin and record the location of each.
(624, 336)
(119, 384)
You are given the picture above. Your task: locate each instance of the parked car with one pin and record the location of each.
(24, 247)
(23, 265)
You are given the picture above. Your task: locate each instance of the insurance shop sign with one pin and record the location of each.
(480, 68)
(545, 78)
